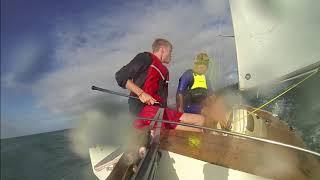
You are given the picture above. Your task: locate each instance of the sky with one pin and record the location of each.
(52, 52)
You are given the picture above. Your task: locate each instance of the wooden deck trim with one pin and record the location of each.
(241, 154)
(122, 170)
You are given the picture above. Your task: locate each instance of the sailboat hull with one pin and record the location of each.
(175, 166)
(193, 155)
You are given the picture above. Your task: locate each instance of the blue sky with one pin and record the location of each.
(53, 51)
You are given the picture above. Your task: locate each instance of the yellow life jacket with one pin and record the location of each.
(199, 81)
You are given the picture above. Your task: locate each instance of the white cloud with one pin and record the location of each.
(24, 54)
(91, 55)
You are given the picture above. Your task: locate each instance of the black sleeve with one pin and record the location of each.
(139, 63)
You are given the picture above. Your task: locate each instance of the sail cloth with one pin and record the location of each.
(274, 38)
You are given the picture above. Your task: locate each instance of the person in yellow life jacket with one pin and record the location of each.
(194, 86)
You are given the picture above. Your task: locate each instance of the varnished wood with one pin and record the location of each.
(277, 129)
(246, 155)
(259, 158)
(122, 170)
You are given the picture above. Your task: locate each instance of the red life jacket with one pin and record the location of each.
(147, 72)
(156, 83)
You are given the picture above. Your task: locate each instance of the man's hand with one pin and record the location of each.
(225, 124)
(146, 98)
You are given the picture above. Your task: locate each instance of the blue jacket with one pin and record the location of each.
(185, 83)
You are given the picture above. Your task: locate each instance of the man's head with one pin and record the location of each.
(162, 48)
(201, 63)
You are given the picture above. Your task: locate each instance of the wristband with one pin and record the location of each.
(140, 93)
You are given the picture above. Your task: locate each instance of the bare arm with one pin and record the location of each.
(180, 102)
(125, 75)
(144, 97)
(131, 86)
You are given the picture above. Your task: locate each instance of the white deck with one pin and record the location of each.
(175, 166)
(96, 155)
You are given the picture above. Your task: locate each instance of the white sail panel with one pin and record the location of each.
(274, 38)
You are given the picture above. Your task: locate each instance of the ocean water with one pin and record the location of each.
(43, 156)
(300, 107)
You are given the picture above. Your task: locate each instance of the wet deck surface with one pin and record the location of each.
(262, 159)
(43, 156)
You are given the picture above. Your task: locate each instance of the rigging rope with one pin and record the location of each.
(284, 92)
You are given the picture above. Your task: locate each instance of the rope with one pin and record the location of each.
(281, 94)
(233, 134)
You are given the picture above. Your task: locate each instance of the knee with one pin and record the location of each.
(197, 120)
(192, 119)
(201, 121)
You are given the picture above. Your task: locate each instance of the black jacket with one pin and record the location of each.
(136, 71)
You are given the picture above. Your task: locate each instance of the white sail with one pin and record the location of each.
(274, 38)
